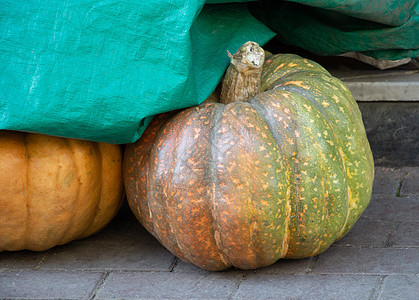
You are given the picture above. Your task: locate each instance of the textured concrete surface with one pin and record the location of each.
(393, 131)
(378, 259)
(381, 85)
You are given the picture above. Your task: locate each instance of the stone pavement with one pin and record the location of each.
(378, 259)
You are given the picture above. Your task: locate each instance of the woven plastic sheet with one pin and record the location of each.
(99, 70)
(382, 29)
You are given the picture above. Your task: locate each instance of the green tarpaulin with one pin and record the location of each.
(100, 70)
(383, 29)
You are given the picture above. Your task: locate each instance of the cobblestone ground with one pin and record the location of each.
(378, 259)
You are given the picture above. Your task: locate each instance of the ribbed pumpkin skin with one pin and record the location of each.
(55, 190)
(245, 184)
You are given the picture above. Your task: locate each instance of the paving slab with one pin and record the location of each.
(400, 287)
(387, 180)
(368, 232)
(35, 284)
(377, 259)
(401, 181)
(161, 285)
(141, 252)
(282, 266)
(124, 226)
(406, 235)
(391, 208)
(410, 184)
(288, 267)
(184, 267)
(123, 245)
(352, 260)
(392, 130)
(21, 260)
(265, 286)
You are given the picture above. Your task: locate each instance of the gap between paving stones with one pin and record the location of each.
(43, 258)
(99, 285)
(315, 282)
(377, 288)
(243, 276)
(234, 292)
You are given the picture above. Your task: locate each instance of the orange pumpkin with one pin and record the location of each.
(55, 190)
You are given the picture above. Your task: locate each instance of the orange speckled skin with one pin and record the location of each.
(245, 184)
(55, 190)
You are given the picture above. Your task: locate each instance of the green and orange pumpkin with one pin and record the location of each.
(55, 190)
(281, 168)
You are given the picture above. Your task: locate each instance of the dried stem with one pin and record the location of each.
(242, 79)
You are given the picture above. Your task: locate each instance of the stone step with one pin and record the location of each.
(381, 85)
(389, 102)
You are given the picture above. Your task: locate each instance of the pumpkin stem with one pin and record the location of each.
(243, 75)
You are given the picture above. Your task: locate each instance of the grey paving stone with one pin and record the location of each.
(386, 208)
(265, 286)
(20, 260)
(139, 266)
(139, 251)
(184, 267)
(367, 232)
(287, 267)
(400, 287)
(282, 266)
(160, 285)
(392, 131)
(349, 260)
(123, 226)
(48, 285)
(407, 234)
(387, 180)
(410, 185)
